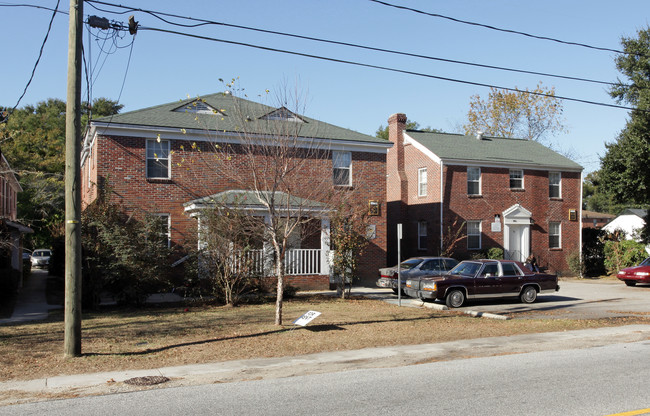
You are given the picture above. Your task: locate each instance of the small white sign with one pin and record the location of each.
(496, 227)
(306, 318)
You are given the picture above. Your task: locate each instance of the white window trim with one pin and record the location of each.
(422, 182)
(559, 234)
(559, 185)
(480, 177)
(169, 159)
(348, 168)
(522, 178)
(421, 234)
(480, 234)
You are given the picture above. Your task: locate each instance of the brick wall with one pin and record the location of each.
(201, 169)
(407, 207)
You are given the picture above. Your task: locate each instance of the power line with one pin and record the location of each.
(516, 32)
(204, 22)
(40, 54)
(384, 68)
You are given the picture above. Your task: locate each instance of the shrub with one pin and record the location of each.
(495, 253)
(575, 264)
(622, 254)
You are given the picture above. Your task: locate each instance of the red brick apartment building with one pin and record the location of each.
(11, 232)
(513, 194)
(171, 160)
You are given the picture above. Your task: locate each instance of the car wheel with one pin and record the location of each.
(630, 282)
(528, 295)
(395, 291)
(455, 298)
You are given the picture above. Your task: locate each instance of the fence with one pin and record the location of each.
(296, 261)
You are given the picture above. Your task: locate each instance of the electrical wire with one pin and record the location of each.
(516, 32)
(384, 68)
(40, 54)
(204, 22)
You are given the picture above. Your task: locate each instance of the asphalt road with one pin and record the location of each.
(596, 381)
(577, 299)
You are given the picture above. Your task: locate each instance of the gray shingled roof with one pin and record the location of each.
(497, 150)
(233, 111)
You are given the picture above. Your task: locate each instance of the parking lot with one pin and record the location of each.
(577, 299)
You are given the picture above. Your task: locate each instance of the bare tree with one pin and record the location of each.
(283, 168)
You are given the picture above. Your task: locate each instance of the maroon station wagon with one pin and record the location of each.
(637, 274)
(477, 279)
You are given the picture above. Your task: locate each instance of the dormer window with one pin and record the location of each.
(282, 114)
(197, 107)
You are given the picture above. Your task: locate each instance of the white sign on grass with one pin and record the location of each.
(306, 318)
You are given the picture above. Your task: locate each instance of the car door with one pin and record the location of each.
(488, 281)
(431, 267)
(512, 279)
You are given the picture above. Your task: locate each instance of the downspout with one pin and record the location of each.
(441, 201)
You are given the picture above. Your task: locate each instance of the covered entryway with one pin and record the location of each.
(516, 233)
(299, 260)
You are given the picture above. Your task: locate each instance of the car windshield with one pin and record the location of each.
(41, 253)
(645, 262)
(466, 268)
(410, 263)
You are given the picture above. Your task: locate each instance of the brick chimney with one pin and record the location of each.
(397, 186)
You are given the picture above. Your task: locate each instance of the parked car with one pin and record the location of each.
(27, 255)
(637, 274)
(41, 257)
(476, 279)
(414, 267)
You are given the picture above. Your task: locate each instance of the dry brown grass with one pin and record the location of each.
(159, 337)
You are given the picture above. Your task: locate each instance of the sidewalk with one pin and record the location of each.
(31, 303)
(326, 362)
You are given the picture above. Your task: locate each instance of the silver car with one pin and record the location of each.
(41, 257)
(412, 268)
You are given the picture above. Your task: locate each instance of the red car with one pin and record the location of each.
(636, 274)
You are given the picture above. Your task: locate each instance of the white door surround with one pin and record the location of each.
(516, 233)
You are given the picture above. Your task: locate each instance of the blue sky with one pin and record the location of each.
(165, 67)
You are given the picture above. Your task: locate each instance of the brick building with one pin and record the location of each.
(171, 160)
(513, 194)
(11, 231)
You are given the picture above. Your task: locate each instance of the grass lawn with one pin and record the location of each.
(153, 337)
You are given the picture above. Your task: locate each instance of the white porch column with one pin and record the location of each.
(325, 246)
(267, 250)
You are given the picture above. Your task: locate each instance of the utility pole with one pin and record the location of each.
(72, 336)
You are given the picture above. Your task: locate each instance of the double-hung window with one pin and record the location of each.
(158, 161)
(554, 235)
(422, 235)
(422, 182)
(473, 235)
(554, 185)
(473, 181)
(516, 179)
(342, 168)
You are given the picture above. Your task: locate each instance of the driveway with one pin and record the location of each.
(577, 299)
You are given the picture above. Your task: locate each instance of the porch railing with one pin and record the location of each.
(296, 261)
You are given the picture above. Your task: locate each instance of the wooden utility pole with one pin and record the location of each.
(72, 337)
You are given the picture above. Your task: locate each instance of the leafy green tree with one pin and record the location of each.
(516, 114)
(624, 174)
(33, 140)
(382, 132)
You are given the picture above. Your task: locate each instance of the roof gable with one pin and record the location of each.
(231, 113)
(458, 148)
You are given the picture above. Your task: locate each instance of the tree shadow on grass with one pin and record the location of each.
(314, 328)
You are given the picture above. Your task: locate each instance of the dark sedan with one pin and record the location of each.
(414, 267)
(476, 279)
(637, 274)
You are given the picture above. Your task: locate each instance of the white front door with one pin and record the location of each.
(515, 247)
